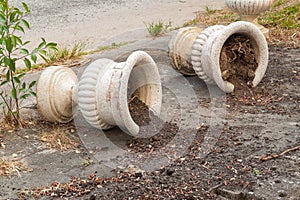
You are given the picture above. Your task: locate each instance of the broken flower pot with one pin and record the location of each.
(206, 52)
(102, 92)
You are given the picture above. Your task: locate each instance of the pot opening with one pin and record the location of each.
(141, 97)
(238, 61)
(137, 94)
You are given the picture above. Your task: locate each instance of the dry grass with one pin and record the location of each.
(283, 21)
(58, 139)
(9, 168)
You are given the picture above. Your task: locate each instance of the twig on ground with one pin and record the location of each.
(279, 155)
(212, 189)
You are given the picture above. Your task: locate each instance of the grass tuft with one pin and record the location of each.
(157, 28)
(66, 53)
(283, 16)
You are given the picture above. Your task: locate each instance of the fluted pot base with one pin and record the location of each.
(54, 93)
(180, 49)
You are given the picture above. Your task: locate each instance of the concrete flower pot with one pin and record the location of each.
(102, 92)
(250, 9)
(206, 52)
(104, 88)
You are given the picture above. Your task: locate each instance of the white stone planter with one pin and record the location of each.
(250, 9)
(206, 52)
(102, 92)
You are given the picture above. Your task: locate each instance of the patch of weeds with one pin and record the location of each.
(9, 168)
(58, 139)
(66, 53)
(287, 17)
(109, 47)
(157, 28)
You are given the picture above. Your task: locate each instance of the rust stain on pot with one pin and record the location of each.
(108, 94)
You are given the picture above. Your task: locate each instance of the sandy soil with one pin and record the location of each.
(95, 21)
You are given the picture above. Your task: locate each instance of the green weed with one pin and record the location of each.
(157, 28)
(65, 53)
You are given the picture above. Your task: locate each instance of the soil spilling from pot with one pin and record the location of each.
(154, 132)
(238, 62)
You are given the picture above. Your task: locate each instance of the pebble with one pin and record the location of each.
(282, 193)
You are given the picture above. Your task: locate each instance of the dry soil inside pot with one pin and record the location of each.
(139, 111)
(238, 62)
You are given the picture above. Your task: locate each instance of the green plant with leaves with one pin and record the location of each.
(157, 28)
(13, 87)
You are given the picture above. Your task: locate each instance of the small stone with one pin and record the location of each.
(277, 181)
(77, 151)
(282, 193)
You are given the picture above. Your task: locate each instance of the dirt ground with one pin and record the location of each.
(255, 156)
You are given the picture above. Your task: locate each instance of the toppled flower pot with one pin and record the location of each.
(106, 86)
(207, 54)
(102, 92)
(249, 10)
